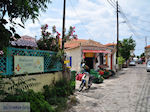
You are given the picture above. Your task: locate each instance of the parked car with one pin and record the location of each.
(140, 62)
(148, 66)
(132, 63)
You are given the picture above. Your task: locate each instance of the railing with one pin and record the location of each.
(7, 62)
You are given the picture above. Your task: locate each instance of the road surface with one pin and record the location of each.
(129, 91)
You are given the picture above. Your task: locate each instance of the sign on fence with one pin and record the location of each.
(28, 64)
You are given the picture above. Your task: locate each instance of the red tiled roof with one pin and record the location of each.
(111, 44)
(76, 43)
(147, 46)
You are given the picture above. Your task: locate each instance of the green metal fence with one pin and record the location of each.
(3, 65)
(7, 62)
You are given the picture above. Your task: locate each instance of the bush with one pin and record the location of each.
(58, 93)
(37, 101)
(61, 88)
(73, 75)
(121, 60)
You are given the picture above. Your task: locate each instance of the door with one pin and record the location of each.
(89, 62)
(101, 58)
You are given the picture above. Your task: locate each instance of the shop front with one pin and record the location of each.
(96, 57)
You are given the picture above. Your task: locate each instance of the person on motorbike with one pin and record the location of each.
(84, 67)
(86, 76)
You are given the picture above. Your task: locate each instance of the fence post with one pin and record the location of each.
(9, 60)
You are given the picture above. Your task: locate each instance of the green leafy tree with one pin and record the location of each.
(125, 46)
(17, 9)
(142, 55)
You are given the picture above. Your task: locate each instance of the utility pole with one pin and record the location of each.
(117, 34)
(63, 26)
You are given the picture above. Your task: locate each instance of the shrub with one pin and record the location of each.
(61, 88)
(37, 100)
(58, 93)
(121, 60)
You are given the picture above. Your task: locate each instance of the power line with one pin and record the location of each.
(112, 4)
(140, 28)
(129, 24)
(123, 15)
(80, 20)
(143, 20)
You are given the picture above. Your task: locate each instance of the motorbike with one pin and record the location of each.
(83, 83)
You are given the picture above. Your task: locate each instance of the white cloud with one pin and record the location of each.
(93, 19)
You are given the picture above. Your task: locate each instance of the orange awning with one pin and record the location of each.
(96, 51)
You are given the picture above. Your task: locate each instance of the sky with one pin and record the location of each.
(96, 20)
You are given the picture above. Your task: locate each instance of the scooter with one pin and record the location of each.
(83, 83)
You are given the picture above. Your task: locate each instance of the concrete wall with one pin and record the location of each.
(114, 61)
(40, 80)
(109, 61)
(76, 58)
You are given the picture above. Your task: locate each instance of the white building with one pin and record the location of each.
(89, 51)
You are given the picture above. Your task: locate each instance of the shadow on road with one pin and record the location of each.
(112, 77)
(93, 88)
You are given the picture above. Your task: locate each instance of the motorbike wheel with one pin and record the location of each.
(81, 86)
(89, 87)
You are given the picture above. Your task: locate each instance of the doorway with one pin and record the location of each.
(89, 62)
(101, 58)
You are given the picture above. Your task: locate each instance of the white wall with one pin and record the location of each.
(76, 58)
(114, 61)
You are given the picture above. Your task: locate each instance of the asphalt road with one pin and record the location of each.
(128, 91)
